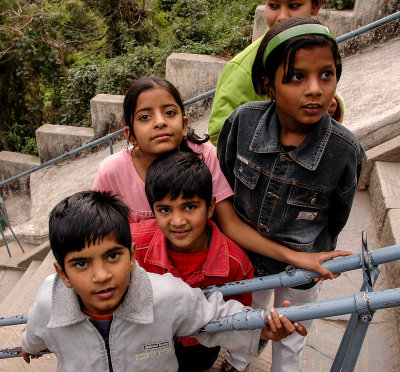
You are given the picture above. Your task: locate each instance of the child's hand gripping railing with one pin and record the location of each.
(361, 305)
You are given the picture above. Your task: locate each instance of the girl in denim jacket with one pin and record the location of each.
(293, 169)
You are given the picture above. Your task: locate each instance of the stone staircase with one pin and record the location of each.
(371, 92)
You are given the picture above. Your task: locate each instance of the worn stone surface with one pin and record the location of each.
(107, 114)
(56, 140)
(194, 74)
(11, 164)
(384, 190)
(388, 151)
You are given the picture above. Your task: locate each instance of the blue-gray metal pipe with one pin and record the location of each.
(64, 156)
(300, 276)
(368, 27)
(13, 320)
(361, 303)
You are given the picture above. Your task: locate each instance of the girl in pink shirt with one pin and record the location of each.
(155, 124)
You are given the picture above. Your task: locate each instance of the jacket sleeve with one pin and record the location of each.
(38, 317)
(227, 148)
(234, 88)
(202, 310)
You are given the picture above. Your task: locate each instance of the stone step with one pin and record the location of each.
(20, 303)
(8, 279)
(17, 287)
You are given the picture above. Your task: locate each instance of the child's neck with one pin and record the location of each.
(293, 137)
(141, 162)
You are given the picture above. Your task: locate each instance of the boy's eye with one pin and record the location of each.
(81, 264)
(273, 6)
(164, 210)
(189, 207)
(114, 256)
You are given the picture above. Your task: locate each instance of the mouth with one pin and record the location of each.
(162, 137)
(105, 293)
(312, 108)
(181, 233)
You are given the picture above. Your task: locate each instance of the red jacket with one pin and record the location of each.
(225, 263)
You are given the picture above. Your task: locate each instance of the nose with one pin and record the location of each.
(178, 219)
(283, 14)
(313, 87)
(100, 273)
(159, 120)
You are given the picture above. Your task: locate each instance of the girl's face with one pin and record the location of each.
(307, 96)
(279, 10)
(158, 123)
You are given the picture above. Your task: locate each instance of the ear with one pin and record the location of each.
(316, 6)
(185, 125)
(62, 274)
(128, 135)
(211, 208)
(269, 89)
(133, 255)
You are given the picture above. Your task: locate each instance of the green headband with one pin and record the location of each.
(292, 32)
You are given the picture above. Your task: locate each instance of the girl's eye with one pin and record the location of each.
(294, 6)
(170, 113)
(273, 6)
(327, 74)
(297, 77)
(144, 117)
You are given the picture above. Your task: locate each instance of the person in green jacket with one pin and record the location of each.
(235, 86)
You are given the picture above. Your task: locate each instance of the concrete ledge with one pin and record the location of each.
(13, 163)
(194, 74)
(37, 254)
(384, 191)
(388, 151)
(56, 140)
(107, 114)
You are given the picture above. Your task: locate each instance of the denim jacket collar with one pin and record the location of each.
(137, 305)
(308, 154)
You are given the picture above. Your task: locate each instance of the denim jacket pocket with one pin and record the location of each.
(246, 181)
(306, 209)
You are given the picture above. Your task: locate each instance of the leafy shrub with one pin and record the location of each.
(340, 4)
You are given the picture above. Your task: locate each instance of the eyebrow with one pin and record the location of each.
(163, 107)
(85, 258)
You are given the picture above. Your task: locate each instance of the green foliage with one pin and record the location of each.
(56, 55)
(340, 4)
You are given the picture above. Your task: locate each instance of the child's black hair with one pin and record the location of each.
(85, 218)
(286, 52)
(150, 82)
(178, 172)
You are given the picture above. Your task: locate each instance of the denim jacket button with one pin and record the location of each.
(270, 194)
(313, 201)
(282, 158)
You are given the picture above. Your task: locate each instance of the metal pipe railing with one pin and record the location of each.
(360, 303)
(300, 276)
(109, 137)
(284, 279)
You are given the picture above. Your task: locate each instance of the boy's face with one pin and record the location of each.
(279, 10)
(183, 222)
(99, 273)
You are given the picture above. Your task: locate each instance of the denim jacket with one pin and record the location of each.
(301, 197)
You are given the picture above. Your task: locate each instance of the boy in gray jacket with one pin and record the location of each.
(103, 312)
